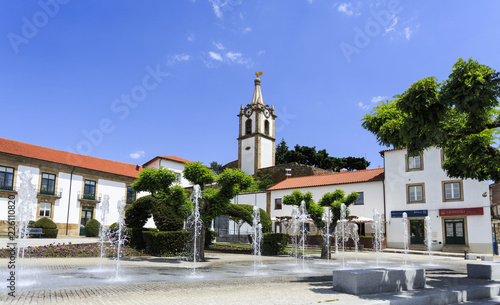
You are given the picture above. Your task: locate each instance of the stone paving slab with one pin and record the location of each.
(445, 275)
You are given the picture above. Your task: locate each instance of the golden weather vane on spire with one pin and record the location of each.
(258, 73)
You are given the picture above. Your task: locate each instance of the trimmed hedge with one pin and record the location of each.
(209, 238)
(92, 228)
(137, 239)
(274, 243)
(49, 228)
(166, 243)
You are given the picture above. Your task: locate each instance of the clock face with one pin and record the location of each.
(248, 112)
(266, 113)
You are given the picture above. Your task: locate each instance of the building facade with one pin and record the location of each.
(369, 184)
(458, 209)
(69, 187)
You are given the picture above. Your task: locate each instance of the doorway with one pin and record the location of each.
(417, 232)
(87, 215)
(454, 231)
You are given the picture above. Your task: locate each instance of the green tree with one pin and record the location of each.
(243, 213)
(459, 115)
(316, 210)
(215, 202)
(321, 159)
(281, 150)
(217, 168)
(334, 201)
(168, 203)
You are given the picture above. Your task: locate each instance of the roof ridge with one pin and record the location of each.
(38, 152)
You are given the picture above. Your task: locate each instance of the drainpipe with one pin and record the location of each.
(69, 199)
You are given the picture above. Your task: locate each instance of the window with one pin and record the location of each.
(248, 127)
(48, 185)
(361, 198)
(45, 208)
(89, 190)
(178, 177)
(415, 193)
(452, 190)
(130, 195)
(414, 163)
(277, 204)
(6, 178)
(266, 127)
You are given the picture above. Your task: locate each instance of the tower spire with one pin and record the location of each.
(257, 94)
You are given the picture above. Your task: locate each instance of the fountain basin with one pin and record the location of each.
(485, 270)
(370, 281)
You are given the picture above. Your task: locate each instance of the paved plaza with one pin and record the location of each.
(232, 279)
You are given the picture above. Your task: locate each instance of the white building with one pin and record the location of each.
(172, 163)
(70, 187)
(458, 209)
(369, 184)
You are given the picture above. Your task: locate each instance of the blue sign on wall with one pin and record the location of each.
(410, 213)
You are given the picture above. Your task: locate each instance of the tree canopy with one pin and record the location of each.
(316, 211)
(459, 115)
(321, 159)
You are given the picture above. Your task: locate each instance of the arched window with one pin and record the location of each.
(248, 127)
(266, 127)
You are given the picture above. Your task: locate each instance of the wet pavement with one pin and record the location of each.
(226, 279)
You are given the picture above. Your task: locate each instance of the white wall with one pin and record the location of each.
(432, 175)
(373, 198)
(247, 156)
(266, 153)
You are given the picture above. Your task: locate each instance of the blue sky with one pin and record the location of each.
(131, 80)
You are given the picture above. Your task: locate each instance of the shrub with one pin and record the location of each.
(166, 218)
(31, 223)
(49, 228)
(139, 212)
(209, 238)
(274, 243)
(166, 243)
(92, 228)
(137, 238)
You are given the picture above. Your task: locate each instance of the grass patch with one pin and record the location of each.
(231, 248)
(74, 250)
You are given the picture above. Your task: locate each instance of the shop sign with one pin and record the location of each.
(461, 212)
(409, 213)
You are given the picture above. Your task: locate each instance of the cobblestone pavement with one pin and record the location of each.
(223, 279)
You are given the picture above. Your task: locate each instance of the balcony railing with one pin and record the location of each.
(89, 197)
(51, 192)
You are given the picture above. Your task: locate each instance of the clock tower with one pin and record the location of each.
(256, 140)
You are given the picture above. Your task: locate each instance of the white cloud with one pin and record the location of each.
(346, 9)
(372, 102)
(190, 38)
(407, 33)
(233, 56)
(216, 6)
(228, 58)
(215, 56)
(138, 154)
(219, 45)
(310, 1)
(261, 52)
(247, 29)
(172, 60)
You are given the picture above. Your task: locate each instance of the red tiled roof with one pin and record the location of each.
(172, 158)
(67, 158)
(390, 149)
(367, 175)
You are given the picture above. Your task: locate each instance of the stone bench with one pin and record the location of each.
(489, 271)
(370, 281)
(487, 258)
(471, 257)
